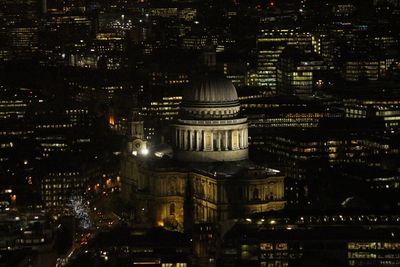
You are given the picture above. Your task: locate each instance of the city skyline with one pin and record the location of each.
(199, 133)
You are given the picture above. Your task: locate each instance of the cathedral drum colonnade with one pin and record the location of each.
(210, 127)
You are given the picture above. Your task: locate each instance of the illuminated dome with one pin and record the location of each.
(211, 88)
(210, 127)
(210, 96)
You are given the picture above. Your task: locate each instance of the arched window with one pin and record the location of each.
(172, 209)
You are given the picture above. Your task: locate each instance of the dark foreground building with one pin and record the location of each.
(313, 239)
(136, 247)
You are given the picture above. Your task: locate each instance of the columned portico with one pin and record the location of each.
(222, 138)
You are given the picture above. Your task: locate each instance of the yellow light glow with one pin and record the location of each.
(111, 120)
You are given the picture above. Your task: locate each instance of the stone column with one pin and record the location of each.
(232, 140)
(204, 140)
(212, 141)
(185, 140)
(226, 146)
(242, 138)
(190, 140)
(198, 139)
(246, 137)
(219, 140)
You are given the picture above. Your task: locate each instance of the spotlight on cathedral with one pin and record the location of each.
(144, 151)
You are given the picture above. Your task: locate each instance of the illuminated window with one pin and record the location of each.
(281, 246)
(266, 246)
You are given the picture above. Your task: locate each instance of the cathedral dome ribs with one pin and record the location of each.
(212, 87)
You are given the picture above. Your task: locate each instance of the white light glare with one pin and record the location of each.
(144, 151)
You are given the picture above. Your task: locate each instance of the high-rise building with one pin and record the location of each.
(19, 32)
(297, 72)
(270, 44)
